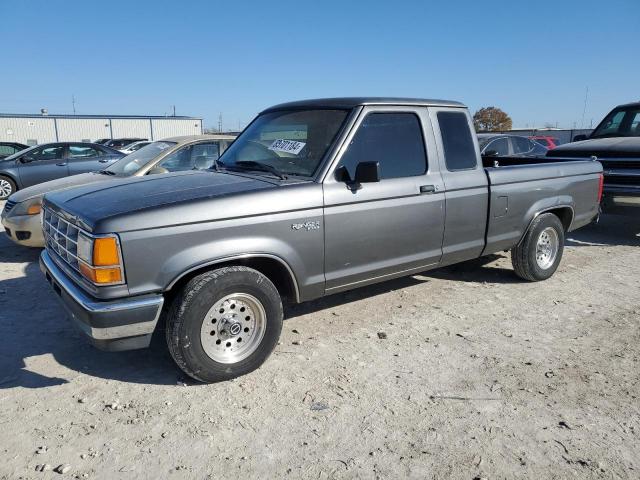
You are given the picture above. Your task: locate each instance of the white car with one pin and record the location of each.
(134, 146)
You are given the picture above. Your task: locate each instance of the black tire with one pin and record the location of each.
(188, 313)
(12, 187)
(524, 256)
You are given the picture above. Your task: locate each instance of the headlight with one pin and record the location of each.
(28, 207)
(84, 248)
(100, 260)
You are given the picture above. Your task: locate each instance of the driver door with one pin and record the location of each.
(393, 226)
(43, 164)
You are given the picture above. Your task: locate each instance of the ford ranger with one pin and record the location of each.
(313, 198)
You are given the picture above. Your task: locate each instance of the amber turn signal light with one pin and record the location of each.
(34, 209)
(101, 275)
(105, 252)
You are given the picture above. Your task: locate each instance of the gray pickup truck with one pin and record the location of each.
(313, 198)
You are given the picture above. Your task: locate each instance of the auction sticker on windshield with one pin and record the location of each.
(287, 146)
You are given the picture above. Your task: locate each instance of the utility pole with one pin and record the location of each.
(174, 110)
(73, 103)
(220, 123)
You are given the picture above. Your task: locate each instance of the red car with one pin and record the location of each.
(545, 141)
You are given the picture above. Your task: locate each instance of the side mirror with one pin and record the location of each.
(491, 153)
(579, 138)
(342, 174)
(157, 171)
(367, 172)
(26, 159)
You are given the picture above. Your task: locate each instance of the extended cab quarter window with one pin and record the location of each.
(459, 152)
(394, 140)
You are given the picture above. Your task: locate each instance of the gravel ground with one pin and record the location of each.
(465, 372)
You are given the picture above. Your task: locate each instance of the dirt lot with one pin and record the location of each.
(480, 376)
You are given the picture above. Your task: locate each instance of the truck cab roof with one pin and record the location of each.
(351, 102)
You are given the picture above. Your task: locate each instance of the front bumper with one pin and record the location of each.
(123, 324)
(24, 230)
(621, 201)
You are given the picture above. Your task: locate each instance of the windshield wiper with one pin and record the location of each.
(106, 172)
(253, 165)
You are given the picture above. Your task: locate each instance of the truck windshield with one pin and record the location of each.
(133, 162)
(622, 122)
(287, 142)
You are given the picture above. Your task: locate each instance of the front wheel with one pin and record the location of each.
(539, 253)
(224, 323)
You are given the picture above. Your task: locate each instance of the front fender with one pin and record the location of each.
(156, 259)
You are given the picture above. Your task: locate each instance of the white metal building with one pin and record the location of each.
(38, 129)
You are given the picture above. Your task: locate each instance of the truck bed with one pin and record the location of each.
(520, 191)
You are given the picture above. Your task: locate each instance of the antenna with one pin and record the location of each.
(584, 109)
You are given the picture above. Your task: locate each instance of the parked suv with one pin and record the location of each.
(616, 144)
(52, 160)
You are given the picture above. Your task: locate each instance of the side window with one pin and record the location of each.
(47, 153)
(392, 139)
(178, 161)
(635, 124)
(522, 145)
(500, 146)
(459, 151)
(204, 155)
(6, 150)
(612, 123)
(80, 152)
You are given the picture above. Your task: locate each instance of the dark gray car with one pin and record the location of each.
(500, 145)
(50, 161)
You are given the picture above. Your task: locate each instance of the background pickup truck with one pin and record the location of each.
(313, 198)
(616, 144)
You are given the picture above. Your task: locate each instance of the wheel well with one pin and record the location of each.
(271, 268)
(565, 214)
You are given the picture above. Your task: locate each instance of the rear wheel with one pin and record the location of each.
(7, 187)
(539, 253)
(224, 323)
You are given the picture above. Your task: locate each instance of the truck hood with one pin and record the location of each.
(59, 184)
(614, 147)
(165, 198)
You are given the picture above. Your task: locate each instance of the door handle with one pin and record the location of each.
(427, 188)
(105, 160)
(63, 164)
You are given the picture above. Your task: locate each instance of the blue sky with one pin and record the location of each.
(532, 59)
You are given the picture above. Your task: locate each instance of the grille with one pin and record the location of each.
(611, 180)
(61, 238)
(8, 206)
(619, 164)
